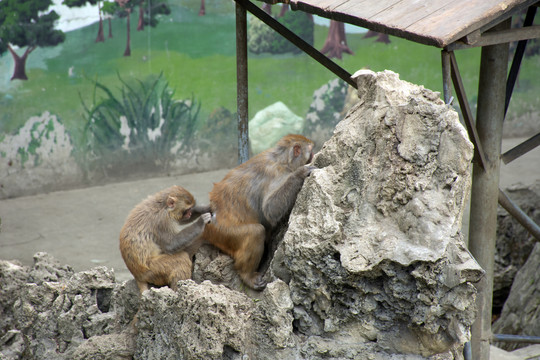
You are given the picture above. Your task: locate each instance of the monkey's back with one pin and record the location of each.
(138, 235)
(237, 199)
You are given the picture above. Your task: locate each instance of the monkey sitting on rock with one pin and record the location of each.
(251, 200)
(156, 248)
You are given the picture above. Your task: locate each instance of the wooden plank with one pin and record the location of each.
(418, 10)
(499, 37)
(467, 16)
(366, 9)
(428, 22)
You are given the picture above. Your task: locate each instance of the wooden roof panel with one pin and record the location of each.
(431, 22)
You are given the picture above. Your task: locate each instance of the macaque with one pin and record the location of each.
(252, 198)
(154, 246)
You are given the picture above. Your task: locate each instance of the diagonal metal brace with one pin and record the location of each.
(466, 111)
(518, 56)
(519, 215)
(298, 41)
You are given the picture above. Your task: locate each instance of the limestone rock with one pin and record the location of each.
(271, 124)
(374, 249)
(514, 242)
(207, 321)
(50, 310)
(521, 312)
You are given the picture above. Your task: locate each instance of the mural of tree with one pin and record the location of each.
(79, 3)
(151, 9)
(336, 42)
(148, 11)
(380, 36)
(26, 23)
(202, 11)
(126, 7)
(109, 9)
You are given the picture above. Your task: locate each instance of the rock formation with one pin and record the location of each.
(514, 242)
(370, 265)
(521, 312)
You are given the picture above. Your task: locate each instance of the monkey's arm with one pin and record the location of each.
(197, 211)
(281, 198)
(185, 238)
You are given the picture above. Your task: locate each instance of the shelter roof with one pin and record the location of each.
(431, 22)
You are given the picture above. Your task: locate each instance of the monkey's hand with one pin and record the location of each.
(306, 170)
(206, 218)
(201, 209)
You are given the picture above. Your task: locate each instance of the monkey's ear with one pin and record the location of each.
(297, 150)
(171, 201)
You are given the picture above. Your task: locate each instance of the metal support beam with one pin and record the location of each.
(519, 215)
(521, 149)
(242, 83)
(466, 111)
(518, 56)
(523, 339)
(299, 42)
(446, 76)
(485, 186)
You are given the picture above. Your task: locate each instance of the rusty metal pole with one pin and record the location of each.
(242, 83)
(485, 186)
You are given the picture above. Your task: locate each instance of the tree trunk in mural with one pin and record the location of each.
(336, 42)
(127, 52)
(284, 8)
(20, 63)
(110, 28)
(202, 11)
(267, 8)
(100, 36)
(380, 36)
(140, 24)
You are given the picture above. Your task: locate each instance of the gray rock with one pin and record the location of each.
(50, 310)
(514, 242)
(271, 124)
(374, 248)
(521, 312)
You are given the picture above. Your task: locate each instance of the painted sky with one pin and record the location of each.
(74, 18)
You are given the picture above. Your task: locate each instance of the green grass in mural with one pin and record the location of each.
(197, 57)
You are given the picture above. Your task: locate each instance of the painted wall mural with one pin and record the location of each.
(94, 91)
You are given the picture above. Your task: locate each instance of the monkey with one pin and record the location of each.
(153, 244)
(251, 200)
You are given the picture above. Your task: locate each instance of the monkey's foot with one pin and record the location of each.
(254, 281)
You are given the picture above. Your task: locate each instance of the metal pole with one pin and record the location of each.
(242, 83)
(446, 76)
(298, 41)
(519, 215)
(485, 186)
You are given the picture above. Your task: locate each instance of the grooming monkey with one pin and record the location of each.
(154, 246)
(251, 200)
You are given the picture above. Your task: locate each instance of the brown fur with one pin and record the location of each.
(252, 198)
(154, 247)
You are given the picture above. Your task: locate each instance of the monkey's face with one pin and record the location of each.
(187, 214)
(180, 204)
(303, 153)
